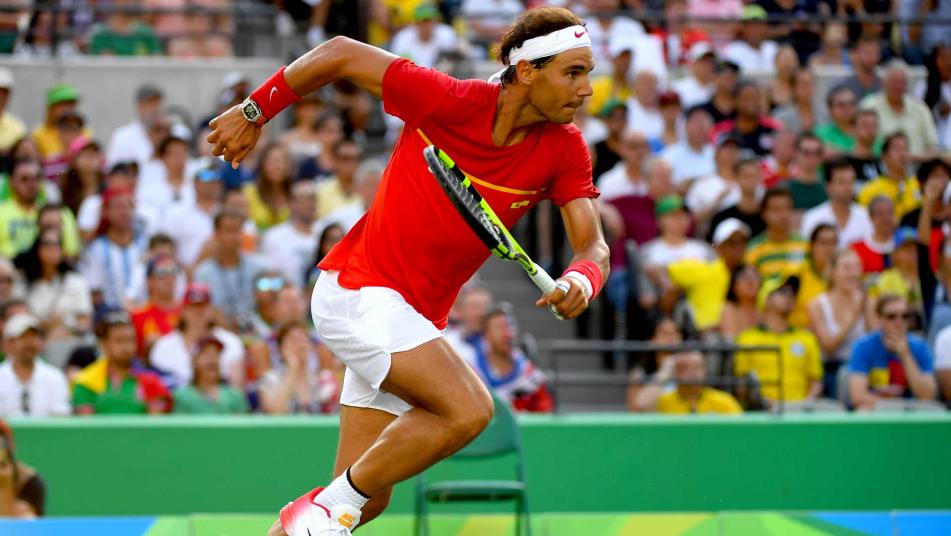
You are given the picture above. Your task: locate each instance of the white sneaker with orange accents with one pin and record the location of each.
(304, 517)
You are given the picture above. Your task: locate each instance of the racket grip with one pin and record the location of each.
(546, 284)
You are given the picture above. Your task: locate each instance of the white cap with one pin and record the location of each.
(621, 42)
(18, 324)
(6, 78)
(699, 50)
(232, 79)
(728, 228)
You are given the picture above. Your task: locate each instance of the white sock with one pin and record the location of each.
(341, 492)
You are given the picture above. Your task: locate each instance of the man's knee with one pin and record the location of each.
(470, 420)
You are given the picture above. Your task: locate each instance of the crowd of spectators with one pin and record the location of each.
(141, 275)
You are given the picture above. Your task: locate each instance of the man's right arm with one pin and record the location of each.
(340, 57)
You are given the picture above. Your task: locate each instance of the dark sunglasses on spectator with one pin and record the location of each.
(165, 272)
(50, 243)
(844, 103)
(269, 284)
(895, 316)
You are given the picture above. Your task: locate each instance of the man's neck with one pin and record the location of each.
(302, 225)
(119, 368)
(881, 238)
(775, 322)
(776, 234)
(207, 205)
(746, 124)
(503, 364)
(50, 271)
(690, 392)
(514, 115)
(23, 368)
(896, 104)
(229, 259)
(841, 208)
(25, 204)
(893, 172)
(633, 172)
(845, 127)
(863, 150)
(673, 239)
(808, 176)
(865, 76)
(748, 203)
(120, 236)
(695, 145)
(167, 303)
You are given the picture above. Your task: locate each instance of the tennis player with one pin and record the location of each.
(383, 296)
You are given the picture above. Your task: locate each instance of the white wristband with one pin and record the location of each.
(586, 287)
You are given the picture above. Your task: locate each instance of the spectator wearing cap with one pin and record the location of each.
(160, 314)
(60, 100)
(799, 115)
(112, 263)
(56, 293)
(29, 386)
(123, 34)
(935, 177)
(131, 142)
(795, 375)
(693, 156)
(866, 56)
(899, 111)
(718, 190)
(895, 183)
(752, 51)
(699, 85)
(754, 129)
(838, 135)
(8, 309)
(875, 248)
(169, 177)
(671, 113)
(12, 127)
(115, 383)
(423, 41)
(779, 250)
(671, 246)
(617, 85)
(606, 153)
(643, 112)
(722, 105)
(749, 178)
(806, 185)
(504, 368)
(70, 129)
(850, 220)
(208, 394)
(230, 272)
(20, 213)
(172, 352)
(690, 395)
(891, 362)
(289, 246)
(121, 176)
(191, 223)
(706, 283)
(902, 279)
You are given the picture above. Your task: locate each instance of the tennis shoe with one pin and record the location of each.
(306, 517)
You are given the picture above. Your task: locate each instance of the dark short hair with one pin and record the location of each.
(110, 320)
(743, 162)
(806, 136)
(866, 111)
(830, 96)
(775, 193)
(890, 139)
(819, 230)
(930, 166)
(831, 166)
(743, 84)
(530, 24)
(161, 239)
(167, 142)
(223, 215)
(884, 300)
(695, 109)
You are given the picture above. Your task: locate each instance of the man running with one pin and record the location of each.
(385, 291)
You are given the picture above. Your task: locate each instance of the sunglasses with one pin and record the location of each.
(165, 272)
(50, 243)
(269, 284)
(895, 316)
(844, 103)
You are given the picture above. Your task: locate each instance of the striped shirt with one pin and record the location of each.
(777, 258)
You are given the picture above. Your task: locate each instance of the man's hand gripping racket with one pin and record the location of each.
(489, 228)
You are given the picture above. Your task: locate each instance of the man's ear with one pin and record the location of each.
(525, 72)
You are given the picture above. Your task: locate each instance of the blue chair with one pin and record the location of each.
(501, 438)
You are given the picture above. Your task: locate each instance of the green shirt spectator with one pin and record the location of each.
(224, 401)
(135, 40)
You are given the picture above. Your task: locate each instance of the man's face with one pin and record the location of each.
(841, 184)
(26, 346)
(748, 102)
(149, 107)
(57, 110)
(303, 204)
(690, 368)
(559, 88)
(176, 154)
(894, 318)
(895, 83)
(25, 182)
(119, 343)
(426, 29)
(208, 361)
(810, 154)
(781, 301)
(734, 248)
(866, 128)
(676, 223)
(897, 155)
(120, 211)
(940, 176)
(645, 88)
(703, 68)
(499, 335)
(754, 32)
(698, 127)
(868, 54)
(749, 177)
(843, 107)
(162, 280)
(634, 148)
(882, 214)
(726, 81)
(778, 213)
(229, 234)
(726, 156)
(347, 159)
(660, 181)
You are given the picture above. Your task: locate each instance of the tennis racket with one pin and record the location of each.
(482, 220)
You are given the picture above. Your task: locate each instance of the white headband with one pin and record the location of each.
(546, 45)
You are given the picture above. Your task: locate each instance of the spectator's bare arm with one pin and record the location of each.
(943, 377)
(646, 397)
(862, 398)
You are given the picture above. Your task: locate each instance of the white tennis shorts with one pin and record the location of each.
(363, 328)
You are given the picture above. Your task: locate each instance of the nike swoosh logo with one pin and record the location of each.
(577, 34)
(271, 96)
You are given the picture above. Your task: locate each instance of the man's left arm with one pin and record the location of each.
(590, 264)
(921, 379)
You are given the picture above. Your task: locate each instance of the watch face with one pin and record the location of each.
(250, 111)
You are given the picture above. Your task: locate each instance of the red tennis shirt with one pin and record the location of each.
(412, 240)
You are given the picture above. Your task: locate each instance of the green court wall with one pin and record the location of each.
(578, 463)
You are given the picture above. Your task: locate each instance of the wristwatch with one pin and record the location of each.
(252, 112)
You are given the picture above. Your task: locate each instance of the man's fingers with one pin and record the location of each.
(214, 123)
(213, 137)
(240, 157)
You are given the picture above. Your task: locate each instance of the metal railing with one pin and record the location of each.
(555, 350)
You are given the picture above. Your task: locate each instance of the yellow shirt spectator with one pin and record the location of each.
(18, 229)
(262, 214)
(906, 194)
(398, 13)
(706, 284)
(799, 360)
(772, 259)
(604, 88)
(48, 142)
(811, 285)
(331, 196)
(710, 401)
(11, 130)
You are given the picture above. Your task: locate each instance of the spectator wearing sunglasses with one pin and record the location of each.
(890, 362)
(29, 387)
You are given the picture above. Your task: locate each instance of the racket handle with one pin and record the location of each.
(546, 284)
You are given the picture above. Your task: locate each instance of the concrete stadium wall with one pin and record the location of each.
(622, 463)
